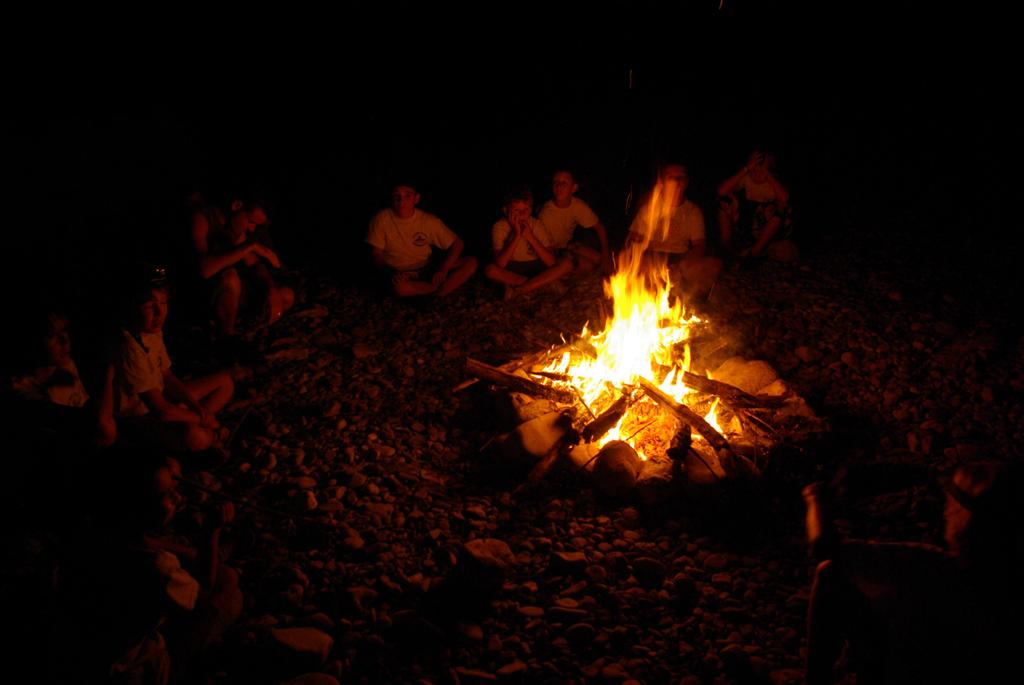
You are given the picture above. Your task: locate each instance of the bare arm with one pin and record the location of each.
(377, 255)
(166, 410)
(505, 255)
(539, 248)
(212, 264)
(781, 194)
(729, 185)
(606, 256)
(454, 252)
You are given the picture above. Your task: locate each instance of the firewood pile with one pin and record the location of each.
(664, 446)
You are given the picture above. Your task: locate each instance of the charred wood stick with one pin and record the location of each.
(517, 383)
(730, 394)
(517, 363)
(686, 415)
(607, 420)
(553, 375)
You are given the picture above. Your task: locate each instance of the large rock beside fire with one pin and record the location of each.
(751, 376)
(616, 469)
(532, 440)
(656, 482)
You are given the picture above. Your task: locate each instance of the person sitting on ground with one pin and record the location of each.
(754, 217)
(524, 258)
(160, 409)
(919, 613)
(670, 228)
(235, 263)
(49, 376)
(563, 213)
(131, 607)
(402, 239)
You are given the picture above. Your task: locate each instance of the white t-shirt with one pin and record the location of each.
(70, 394)
(524, 251)
(673, 229)
(406, 242)
(140, 368)
(562, 221)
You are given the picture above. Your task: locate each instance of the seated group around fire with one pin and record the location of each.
(420, 255)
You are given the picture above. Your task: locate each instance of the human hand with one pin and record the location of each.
(527, 230)
(267, 254)
(207, 419)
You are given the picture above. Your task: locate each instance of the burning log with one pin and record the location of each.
(686, 415)
(730, 394)
(517, 383)
(607, 420)
(731, 462)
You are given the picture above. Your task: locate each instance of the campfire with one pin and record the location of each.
(635, 383)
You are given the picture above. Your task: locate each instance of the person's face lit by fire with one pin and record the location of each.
(404, 200)
(674, 181)
(759, 166)
(152, 312)
(518, 213)
(563, 186)
(57, 343)
(258, 217)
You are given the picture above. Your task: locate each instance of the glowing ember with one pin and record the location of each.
(646, 337)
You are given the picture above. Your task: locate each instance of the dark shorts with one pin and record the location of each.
(751, 218)
(532, 268)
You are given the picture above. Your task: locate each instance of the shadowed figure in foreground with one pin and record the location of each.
(917, 613)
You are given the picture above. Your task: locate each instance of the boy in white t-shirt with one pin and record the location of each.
(402, 239)
(524, 259)
(159, 409)
(670, 228)
(563, 213)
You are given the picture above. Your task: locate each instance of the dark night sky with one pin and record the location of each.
(878, 123)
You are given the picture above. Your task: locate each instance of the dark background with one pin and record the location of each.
(888, 131)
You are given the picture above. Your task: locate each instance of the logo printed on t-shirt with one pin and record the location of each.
(419, 239)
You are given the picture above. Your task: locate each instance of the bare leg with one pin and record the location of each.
(726, 223)
(824, 620)
(464, 268)
(767, 233)
(226, 300)
(280, 300)
(213, 391)
(171, 435)
(407, 287)
(700, 274)
(587, 257)
(784, 251)
(503, 276)
(554, 273)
